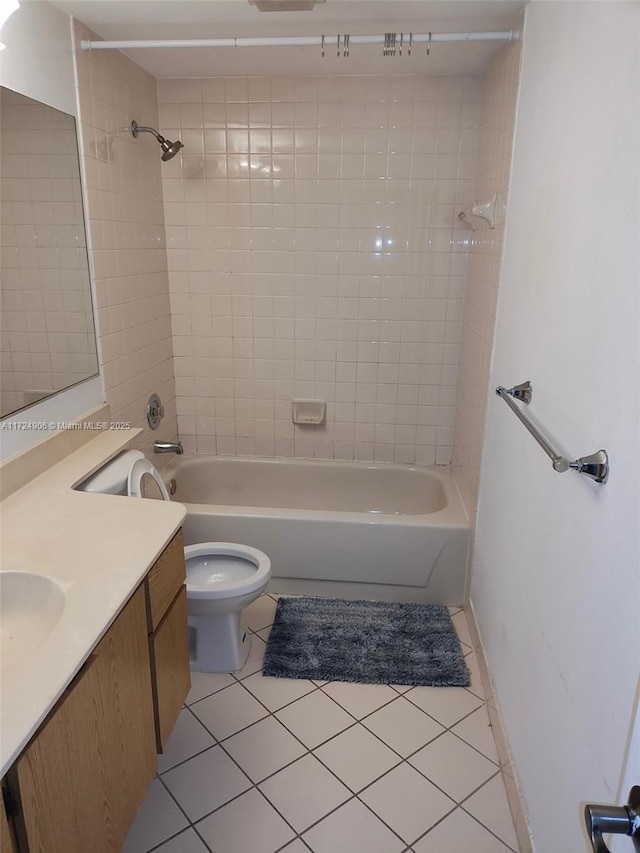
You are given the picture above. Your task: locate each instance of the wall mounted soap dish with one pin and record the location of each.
(309, 412)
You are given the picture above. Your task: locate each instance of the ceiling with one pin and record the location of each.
(180, 19)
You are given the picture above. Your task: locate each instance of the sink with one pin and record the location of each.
(30, 608)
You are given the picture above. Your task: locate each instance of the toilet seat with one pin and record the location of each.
(134, 481)
(224, 569)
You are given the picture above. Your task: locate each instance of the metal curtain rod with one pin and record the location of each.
(595, 466)
(296, 41)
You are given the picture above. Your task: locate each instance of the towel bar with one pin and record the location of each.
(595, 466)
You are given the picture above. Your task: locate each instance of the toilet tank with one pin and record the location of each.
(111, 479)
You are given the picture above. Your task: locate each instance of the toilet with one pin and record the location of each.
(222, 577)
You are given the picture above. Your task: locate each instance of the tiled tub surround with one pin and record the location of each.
(123, 181)
(314, 251)
(258, 765)
(494, 166)
(385, 532)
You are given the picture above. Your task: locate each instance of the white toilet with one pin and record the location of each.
(222, 577)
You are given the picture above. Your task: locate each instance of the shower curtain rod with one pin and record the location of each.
(303, 41)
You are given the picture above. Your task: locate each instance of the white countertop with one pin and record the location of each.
(97, 548)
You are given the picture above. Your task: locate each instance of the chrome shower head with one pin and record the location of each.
(169, 149)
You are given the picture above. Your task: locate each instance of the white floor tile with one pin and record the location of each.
(304, 792)
(158, 819)
(354, 829)
(491, 807)
(453, 766)
(260, 613)
(315, 718)
(187, 842)
(228, 711)
(403, 726)
(475, 730)
(205, 683)
(255, 659)
(357, 757)
(401, 688)
(360, 699)
(296, 847)
(407, 802)
(462, 628)
(263, 748)
(188, 737)
(458, 832)
(447, 705)
(476, 687)
(264, 633)
(205, 782)
(275, 693)
(246, 825)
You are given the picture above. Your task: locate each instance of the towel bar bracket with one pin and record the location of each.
(595, 466)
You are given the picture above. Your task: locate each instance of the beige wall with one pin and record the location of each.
(127, 239)
(314, 251)
(494, 163)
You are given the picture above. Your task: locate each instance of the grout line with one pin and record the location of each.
(310, 751)
(490, 831)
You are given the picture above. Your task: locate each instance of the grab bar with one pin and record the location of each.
(595, 466)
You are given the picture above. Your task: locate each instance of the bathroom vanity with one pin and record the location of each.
(85, 711)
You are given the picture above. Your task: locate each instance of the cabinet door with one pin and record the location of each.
(169, 647)
(6, 842)
(85, 773)
(165, 579)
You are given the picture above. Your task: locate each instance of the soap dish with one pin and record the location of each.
(309, 412)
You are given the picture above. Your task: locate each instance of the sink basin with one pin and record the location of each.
(30, 608)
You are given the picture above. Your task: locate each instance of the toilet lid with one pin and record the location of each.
(215, 569)
(134, 482)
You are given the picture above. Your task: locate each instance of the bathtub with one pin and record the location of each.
(347, 529)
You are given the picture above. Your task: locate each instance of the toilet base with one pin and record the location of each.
(218, 643)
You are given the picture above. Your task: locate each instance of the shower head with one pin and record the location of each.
(169, 149)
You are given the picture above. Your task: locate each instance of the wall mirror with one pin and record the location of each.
(47, 333)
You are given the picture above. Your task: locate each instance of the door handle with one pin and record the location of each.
(617, 820)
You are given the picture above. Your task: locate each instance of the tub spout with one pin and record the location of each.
(168, 447)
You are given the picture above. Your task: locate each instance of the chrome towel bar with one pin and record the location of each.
(595, 466)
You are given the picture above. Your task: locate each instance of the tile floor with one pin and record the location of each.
(263, 765)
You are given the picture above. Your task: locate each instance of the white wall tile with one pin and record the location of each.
(324, 204)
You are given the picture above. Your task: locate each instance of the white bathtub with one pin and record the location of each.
(355, 530)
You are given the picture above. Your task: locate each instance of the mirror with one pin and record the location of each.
(47, 333)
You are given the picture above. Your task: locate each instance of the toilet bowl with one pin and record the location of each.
(222, 577)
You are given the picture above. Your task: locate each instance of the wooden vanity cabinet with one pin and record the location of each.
(81, 779)
(6, 841)
(85, 773)
(168, 637)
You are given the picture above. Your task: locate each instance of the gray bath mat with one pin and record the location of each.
(368, 642)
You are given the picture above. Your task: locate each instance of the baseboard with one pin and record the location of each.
(507, 766)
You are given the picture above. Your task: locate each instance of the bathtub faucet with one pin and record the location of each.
(168, 447)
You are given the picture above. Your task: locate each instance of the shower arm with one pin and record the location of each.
(136, 129)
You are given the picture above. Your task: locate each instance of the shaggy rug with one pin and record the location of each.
(368, 642)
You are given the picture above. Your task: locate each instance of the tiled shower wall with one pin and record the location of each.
(126, 228)
(46, 323)
(494, 164)
(314, 252)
